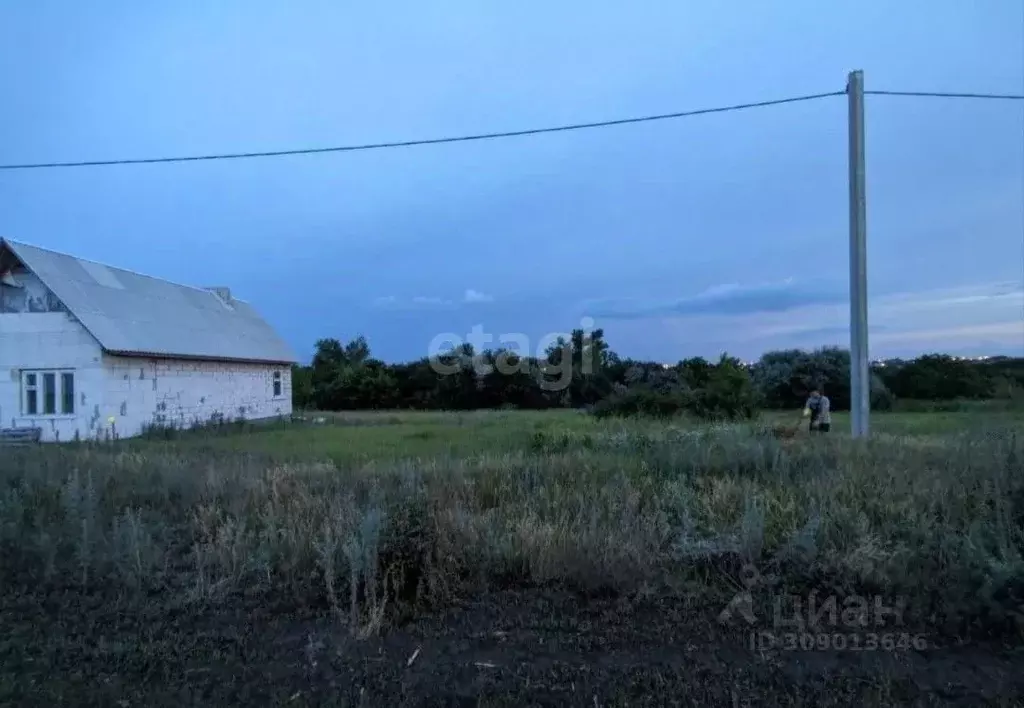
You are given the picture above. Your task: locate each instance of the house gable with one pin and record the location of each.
(21, 290)
(137, 315)
(91, 351)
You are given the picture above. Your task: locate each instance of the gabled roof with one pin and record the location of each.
(137, 315)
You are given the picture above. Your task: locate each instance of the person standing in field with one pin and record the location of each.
(818, 409)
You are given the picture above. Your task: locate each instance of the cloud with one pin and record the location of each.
(982, 318)
(986, 317)
(941, 300)
(473, 296)
(729, 300)
(825, 333)
(994, 331)
(430, 301)
(417, 302)
(425, 302)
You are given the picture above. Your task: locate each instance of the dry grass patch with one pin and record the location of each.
(616, 507)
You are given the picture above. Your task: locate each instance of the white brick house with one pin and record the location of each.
(88, 350)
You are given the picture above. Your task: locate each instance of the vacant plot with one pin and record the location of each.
(517, 559)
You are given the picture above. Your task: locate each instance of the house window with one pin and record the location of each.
(67, 393)
(31, 394)
(48, 392)
(277, 384)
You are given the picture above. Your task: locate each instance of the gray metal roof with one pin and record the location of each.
(137, 315)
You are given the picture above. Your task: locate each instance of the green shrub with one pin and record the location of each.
(641, 402)
(725, 392)
(881, 398)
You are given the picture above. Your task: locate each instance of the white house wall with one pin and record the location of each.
(55, 341)
(180, 392)
(133, 391)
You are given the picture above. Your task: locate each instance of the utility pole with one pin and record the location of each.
(860, 371)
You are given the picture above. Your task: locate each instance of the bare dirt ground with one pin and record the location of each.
(535, 647)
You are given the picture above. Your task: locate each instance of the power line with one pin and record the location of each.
(940, 94)
(429, 141)
(505, 134)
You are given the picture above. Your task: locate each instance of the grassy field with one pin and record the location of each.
(512, 558)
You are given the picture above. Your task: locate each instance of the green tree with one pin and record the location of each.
(302, 386)
(940, 377)
(725, 392)
(344, 377)
(784, 378)
(456, 378)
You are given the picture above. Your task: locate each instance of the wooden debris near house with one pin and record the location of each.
(20, 436)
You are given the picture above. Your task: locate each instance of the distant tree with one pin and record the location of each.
(328, 360)
(724, 391)
(456, 379)
(940, 377)
(302, 386)
(577, 368)
(581, 370)
(785, 377)
(416, 384)
(695, 372)
(344, 377)
(511, 380)
(357, 351)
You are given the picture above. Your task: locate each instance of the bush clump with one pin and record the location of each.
(641, 402)
(717, 392)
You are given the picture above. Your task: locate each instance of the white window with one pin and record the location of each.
(67, 393)
(48, 392)
(31, 387)
(277, 384)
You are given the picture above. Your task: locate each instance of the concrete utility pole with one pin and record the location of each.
(860, 370)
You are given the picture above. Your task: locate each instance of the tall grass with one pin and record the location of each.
(621, 508)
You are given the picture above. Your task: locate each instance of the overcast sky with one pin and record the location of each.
(723, 232)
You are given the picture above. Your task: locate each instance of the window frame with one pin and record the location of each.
(34, 389)
(30, 388)
(277, 384)
(49, 393)
(67, 399)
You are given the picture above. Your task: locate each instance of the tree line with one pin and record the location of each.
(581, 371)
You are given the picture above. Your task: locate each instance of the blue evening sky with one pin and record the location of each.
(686, 237)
